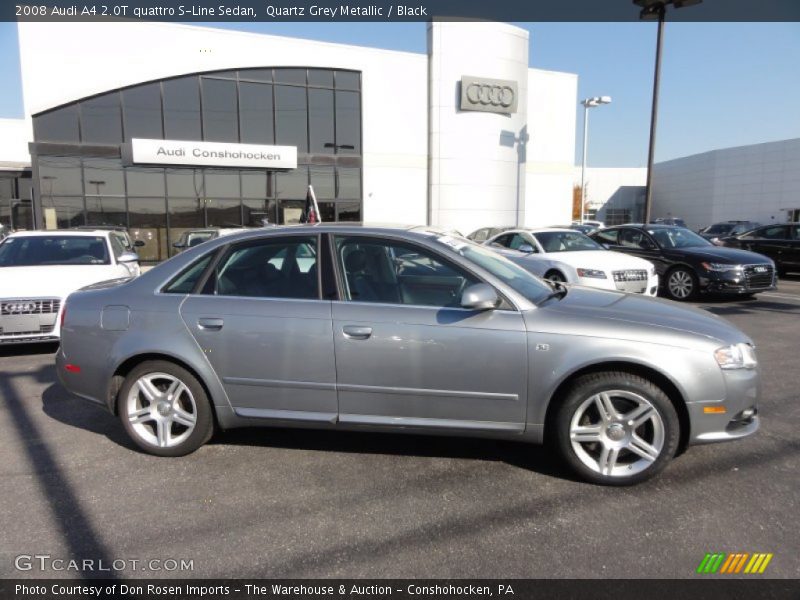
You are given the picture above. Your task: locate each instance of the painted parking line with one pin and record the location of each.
(795, 297)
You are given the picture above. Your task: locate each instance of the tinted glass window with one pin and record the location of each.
(632, 238)
(148, 223)
(348, 80)
(257, 213)
(185, 182)
(774, 233)
(277, 268)
(222, 184)
(320, 77)
(291, 115)
(182, 109)
(396, 273)
(185, 282)
(103, 177)
(145, 182)
(220, 115)
(106, 210)
(255, 74)
(117, 246)
(503, 240)
(101, 120)
(60, 176)
(323, 180)
(349, 184)
(348, 123)
(348, 211)
(320, 117)
(607, 236)
(223, 213)
(255, 113)
(480, 235)
(60, 125)
(290, 211)
(796, 232)
(719, 229)
(54, 250)
(254, 184)
(293, 184)
(297, 76)
(63, 212)
(142, 110)
(184, 214)
(518, 240)
(677, 237)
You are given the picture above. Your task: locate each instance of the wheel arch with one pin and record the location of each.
(122, 370)
(645, 371)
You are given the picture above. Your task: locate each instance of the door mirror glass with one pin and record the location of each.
(480, 296)
(128, 257)
(176, 245)
(527, 248)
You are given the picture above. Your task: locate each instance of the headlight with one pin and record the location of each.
(720, 267)
(736, 356)
(593, 273)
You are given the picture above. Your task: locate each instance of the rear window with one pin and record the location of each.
(35, 251)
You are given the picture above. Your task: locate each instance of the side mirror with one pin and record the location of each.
(606, 246)
(128, 257)
(138, 243)
(480, 296)
(178, 245)
(526, 248)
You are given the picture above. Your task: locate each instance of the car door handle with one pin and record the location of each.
(356, 332)
(210, 324)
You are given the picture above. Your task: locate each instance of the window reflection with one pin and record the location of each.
(182, 109)
(101, 120)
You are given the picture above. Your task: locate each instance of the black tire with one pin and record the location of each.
(661, 431)
(681, 284)
(555, 276)
(192, 400)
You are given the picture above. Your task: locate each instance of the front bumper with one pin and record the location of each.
(741, 398)
(29, 320)
(737, 282)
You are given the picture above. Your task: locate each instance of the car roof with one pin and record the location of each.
(64, 232)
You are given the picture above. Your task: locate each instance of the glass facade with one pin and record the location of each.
(16, 189)
(81, 177)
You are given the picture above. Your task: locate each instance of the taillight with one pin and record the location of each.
(63, 316)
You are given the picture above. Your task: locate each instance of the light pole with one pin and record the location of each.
(587, 104)
(652, 10)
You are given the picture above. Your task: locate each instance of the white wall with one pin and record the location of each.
(760, 182)
(619, 188)
(394, 91)
(551, 147)
(475, 178)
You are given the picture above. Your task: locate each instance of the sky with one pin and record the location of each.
(722, 84)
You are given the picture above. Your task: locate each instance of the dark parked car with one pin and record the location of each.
(688, 264)
(676, 221)
(714, 233)
(780, 242)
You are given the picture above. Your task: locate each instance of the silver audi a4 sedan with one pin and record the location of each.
(404, 330)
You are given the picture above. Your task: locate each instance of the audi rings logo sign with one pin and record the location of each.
(488, 95)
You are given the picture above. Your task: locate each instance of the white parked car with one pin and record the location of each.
(561, 254)
(39, 269)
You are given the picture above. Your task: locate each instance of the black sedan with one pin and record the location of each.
(688, 264)
(780, 242)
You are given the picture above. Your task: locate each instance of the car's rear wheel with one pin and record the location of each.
(616, 428)
(164, 409)
(681, 284)
(555, 276)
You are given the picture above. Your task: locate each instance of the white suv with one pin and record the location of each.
(39, 269)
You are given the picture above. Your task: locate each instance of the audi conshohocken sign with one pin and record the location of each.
(488, 95)
(215, 154)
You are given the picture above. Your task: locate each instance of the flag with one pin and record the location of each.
(311, 210)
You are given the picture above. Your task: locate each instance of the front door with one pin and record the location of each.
(408, 355)
(266, 331)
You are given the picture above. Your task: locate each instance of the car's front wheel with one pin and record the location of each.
(616, 428)
(681, 284)
(164, 409)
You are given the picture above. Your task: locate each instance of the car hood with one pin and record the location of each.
(50, 281)
(722, 254)
(594, 312)
(603, 259)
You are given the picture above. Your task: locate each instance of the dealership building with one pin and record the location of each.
(163, 127)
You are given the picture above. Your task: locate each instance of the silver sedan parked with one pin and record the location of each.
(407, 330)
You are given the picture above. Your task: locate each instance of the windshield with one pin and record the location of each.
(566, 241)
(33, 251)
(677, 237)
(511, 274)
(719, 228)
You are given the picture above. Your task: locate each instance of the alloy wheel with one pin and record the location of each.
(161, 410)
(617, 433)
(680, 284)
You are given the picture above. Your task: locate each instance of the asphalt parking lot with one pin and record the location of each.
(289, 503)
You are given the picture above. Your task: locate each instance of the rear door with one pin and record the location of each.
(264, 327)
(407, 354)
(772, 240)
